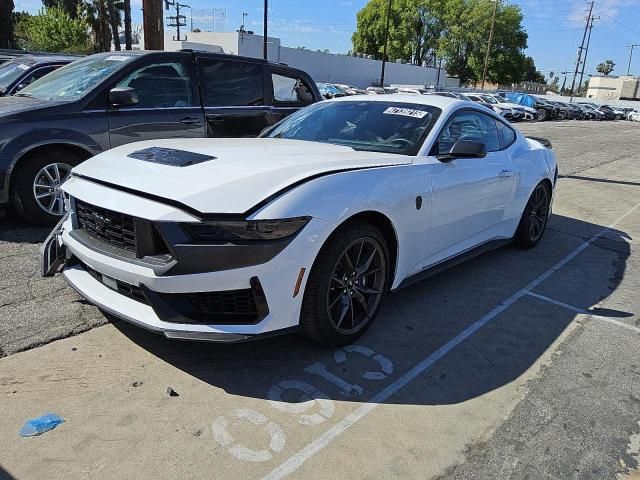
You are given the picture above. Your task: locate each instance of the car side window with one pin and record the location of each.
(469, 125)
(506, 135)
(161, 85)
(288, 89)
(229, 83)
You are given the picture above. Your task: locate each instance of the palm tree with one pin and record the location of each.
(127, 24)
(115, 20)
(103, 18)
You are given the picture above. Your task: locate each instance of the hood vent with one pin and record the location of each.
(170, 156)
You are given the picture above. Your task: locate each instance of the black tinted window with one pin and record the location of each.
(228, 83)
(506, 135)
(468, 125)
(158, 85)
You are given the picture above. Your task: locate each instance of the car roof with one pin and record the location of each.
(432, 100)
(38, 59)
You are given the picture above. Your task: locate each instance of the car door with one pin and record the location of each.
(169, 103)
(470, 195)
(233, 97)
(287, 93)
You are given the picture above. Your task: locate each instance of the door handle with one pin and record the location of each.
(505, 174)
(189, 120)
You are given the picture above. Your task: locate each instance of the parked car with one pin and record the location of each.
(634, 116)
(413, 91)
(360, 196)
(376, 91)
(593, 112)
(525, 113)
(501, 110)
(109, 99)
(545, 109)
(330, 91)
(564, 112)
(350, 89)
(21, 71)
(606, 113)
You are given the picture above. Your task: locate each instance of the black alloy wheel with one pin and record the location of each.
(346, 285)
(534, 218)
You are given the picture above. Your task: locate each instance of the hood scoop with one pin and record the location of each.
(170, 156)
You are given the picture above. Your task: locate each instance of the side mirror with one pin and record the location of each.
(123, 96)
(464, 149)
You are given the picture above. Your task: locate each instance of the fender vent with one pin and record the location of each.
(170, 156)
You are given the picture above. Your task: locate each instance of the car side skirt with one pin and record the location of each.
(451, 262)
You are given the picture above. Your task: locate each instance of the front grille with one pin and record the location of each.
(111, 227)
(128, 290)
(230, 302)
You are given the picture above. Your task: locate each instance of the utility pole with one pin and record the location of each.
(586, 51)
(264, 46)
(486, 57)
(564, 81)
(584, 36)
(177, 20)
(631, 56)
(386, 41)
(153, 22)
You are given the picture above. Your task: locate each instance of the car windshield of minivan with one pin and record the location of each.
(10, 71)
(390, 127)
(73, 81)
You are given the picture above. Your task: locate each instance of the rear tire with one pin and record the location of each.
(534, 218)
(42, 175)
(346, 285)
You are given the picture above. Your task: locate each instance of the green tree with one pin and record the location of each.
(606, 67)
(6, 24)
(53, 30)
(531, 74)
(414, 29)
(456, 30)
(69, 6)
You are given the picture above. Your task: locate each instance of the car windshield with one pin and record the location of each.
(73, 81)
(10, 71)
(489, 99)
(390, 127)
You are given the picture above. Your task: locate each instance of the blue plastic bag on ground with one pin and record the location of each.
(44, 423)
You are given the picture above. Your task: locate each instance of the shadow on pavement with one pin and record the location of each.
(415, 322)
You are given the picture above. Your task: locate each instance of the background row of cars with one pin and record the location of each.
(505, 104)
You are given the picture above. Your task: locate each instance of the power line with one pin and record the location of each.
(584, 36)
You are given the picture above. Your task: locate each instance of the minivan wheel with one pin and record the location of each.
(542, 114)
(36, 187)
(346, 285)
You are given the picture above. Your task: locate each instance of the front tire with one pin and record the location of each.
(346, 285)
(36, 193)
(534, 218)
(542, 115)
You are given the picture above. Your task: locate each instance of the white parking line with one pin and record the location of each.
(294, 462)
(584, 312)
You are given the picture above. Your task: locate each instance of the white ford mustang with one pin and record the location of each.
(306, 227)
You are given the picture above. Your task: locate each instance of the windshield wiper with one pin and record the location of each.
(24, 95)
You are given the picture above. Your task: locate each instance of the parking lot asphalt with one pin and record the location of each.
(517, 364)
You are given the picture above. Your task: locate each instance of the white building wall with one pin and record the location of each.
(323, 67)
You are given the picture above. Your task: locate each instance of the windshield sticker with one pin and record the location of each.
(117, 58)
(22, 66)
(405, 112)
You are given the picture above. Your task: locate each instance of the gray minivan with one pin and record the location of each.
(109, 99)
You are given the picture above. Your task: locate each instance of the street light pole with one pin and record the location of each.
(386, 41)
(264, 46)
(631, 56)
(486, 57)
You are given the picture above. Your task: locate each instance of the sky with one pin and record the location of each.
(555, 27)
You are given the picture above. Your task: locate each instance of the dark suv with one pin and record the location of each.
(110, 99)
(21, 71)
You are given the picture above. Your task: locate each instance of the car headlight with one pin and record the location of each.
(245, 230)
